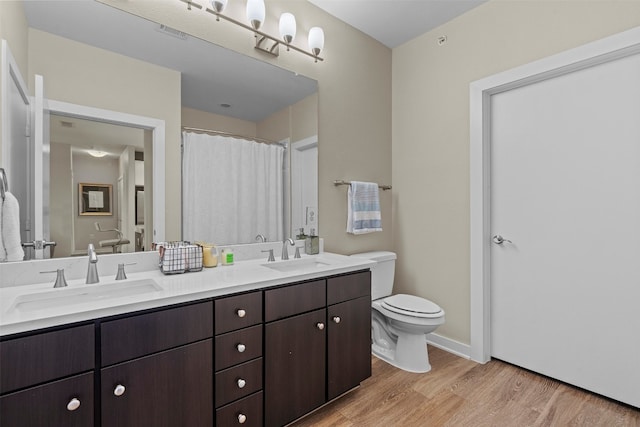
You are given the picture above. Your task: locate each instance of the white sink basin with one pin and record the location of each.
(298, 265)
(64, 297)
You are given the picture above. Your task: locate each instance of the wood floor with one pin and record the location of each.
(460, 393)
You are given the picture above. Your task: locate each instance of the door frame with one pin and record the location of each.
(607, 49)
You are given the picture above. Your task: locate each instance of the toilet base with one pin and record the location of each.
(410, 353)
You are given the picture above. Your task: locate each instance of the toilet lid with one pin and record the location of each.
(409, 303)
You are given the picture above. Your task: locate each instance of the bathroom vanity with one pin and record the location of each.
(256, 353)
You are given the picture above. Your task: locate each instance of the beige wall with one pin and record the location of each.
(304, 118)
(354, 121)
(431, 129)
(13, 29)
(81, 74)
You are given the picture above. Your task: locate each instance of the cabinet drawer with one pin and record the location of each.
(246, 412)
(140, 335)
(291, 300)
(239, 381)
(44, 357)
(238, 312)
(228, 352)
(46, 405)
(350, 286)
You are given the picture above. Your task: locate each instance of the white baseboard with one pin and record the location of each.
(452, 346)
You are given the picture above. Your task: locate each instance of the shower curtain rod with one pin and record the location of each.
(232, 135)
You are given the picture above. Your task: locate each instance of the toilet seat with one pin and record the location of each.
(411, 305)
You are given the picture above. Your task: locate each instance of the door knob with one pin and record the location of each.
(498, 240)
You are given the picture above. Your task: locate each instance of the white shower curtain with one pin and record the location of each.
(232, 189)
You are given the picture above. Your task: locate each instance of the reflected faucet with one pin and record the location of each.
(92, 270)
(285, 252)
(261, 238)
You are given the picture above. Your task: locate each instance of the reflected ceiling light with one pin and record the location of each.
(97, 153)
(287, 27)
(256, 13)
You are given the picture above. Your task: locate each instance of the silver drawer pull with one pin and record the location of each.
(241, 313)
(320, 325)
(119, 390)
(241, 348)
(336, 319)
(242, 418)
(73, 404)
(241, 383)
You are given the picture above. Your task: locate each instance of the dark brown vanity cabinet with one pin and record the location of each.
(317, 344)
(46, 379)
(238, 360)
(157, 368)
(348, 332)
(266, 357)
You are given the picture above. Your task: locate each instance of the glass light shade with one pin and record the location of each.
(316, 40)
(287, 27)
(97, 153)
(218, 5)
(255, 12)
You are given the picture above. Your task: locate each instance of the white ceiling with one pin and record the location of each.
(394, 22)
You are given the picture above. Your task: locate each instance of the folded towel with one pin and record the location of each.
(363, 212)
(10, 245)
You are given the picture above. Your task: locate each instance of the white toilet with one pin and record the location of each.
(399, 322)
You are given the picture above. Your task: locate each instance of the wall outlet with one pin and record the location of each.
(311, 217)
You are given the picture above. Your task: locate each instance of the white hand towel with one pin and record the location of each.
(11, 246)
(363, 211)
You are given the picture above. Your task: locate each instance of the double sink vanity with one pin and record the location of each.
(254, 343)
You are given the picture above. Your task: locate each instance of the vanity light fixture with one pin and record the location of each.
(256, 13)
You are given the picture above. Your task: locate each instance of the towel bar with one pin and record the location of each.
(342, 182)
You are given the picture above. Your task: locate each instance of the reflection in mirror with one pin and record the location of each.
(244, 96)
(93, 155)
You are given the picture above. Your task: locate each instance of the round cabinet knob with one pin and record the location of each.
(320, 325)
(241, 348)
(119, 390)
(336, 319)
(241, 383)
(242, 418)
(73, 404)
(241, 313)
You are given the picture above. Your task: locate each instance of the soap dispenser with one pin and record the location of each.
(312, 243)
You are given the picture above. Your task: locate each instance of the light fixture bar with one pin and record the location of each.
(259, 40)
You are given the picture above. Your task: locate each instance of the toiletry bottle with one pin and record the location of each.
(312, 243)
(227, 256)
(301, 235)
(209, 255)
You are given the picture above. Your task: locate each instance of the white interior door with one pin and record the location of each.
(565, 190)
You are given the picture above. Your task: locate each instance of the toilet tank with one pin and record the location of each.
(381, 274)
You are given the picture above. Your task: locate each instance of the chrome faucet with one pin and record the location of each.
(285, 252)
(92, 270)
(260, 238)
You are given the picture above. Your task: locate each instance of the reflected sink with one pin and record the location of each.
(302, 264)
(64, 297)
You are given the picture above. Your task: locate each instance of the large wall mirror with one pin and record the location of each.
(221, 90)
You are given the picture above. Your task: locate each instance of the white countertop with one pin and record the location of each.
(210, 282)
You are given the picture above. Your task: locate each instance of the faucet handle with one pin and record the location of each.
(121, 274)
(271, 257)
(297, 255)
(61, 282)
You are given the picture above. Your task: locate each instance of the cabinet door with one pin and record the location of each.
(348, 345)
(67, 402)
(168, 389)
(294, 367)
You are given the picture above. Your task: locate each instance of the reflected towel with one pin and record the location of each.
(363, 208)
(10, 242)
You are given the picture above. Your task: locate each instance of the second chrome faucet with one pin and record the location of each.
(92, 269)
(285, 251)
